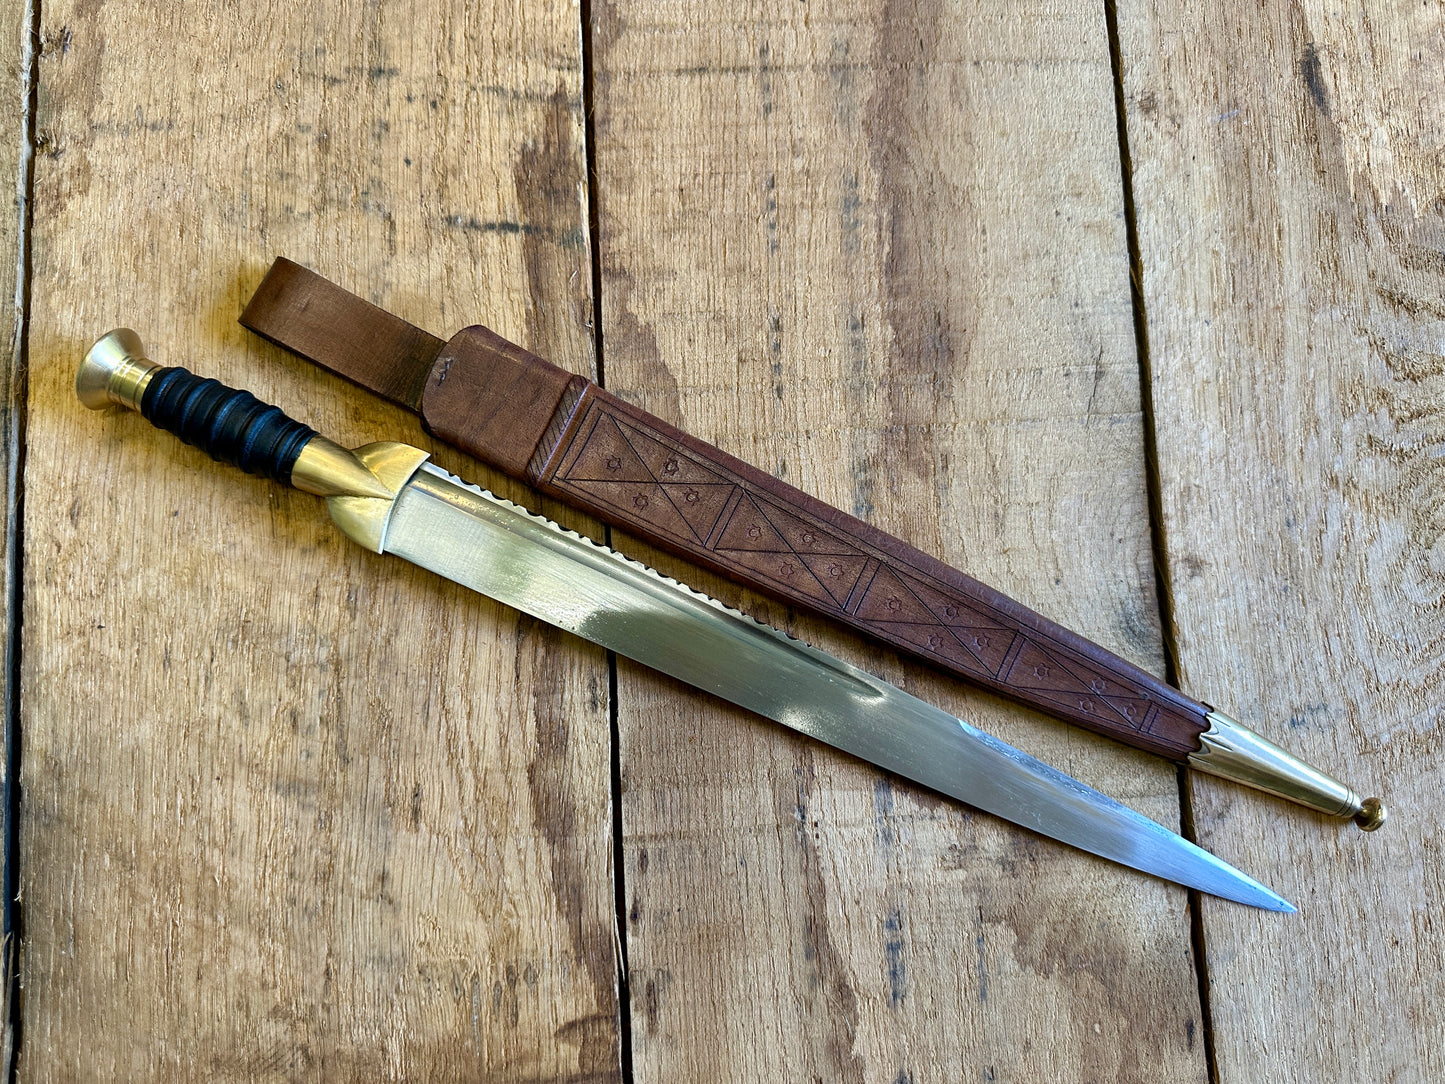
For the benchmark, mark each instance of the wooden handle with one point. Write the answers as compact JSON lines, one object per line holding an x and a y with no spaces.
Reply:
{"x":573,"y":440}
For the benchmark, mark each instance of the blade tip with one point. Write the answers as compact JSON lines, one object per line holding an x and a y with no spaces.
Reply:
{"x":1266,"y":900}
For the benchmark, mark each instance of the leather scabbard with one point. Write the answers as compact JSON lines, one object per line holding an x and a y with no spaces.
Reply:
{"x":572,"y":440}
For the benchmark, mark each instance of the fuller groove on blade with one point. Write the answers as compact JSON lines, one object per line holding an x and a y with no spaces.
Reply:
{"x":530,"y":563}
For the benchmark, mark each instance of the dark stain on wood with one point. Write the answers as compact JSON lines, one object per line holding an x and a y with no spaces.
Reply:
{"x":893,"y":956}
{"x":848,"y":211}
{"x":505,"y":1003}
{"x":765,"y":94}
{"x":1312,"y":72}
{"x":652,"y":994}
{"x":840,"y":74}
{"x":770,"y":212}
{"x":595,"y":1037}
{"x":832,"y":981}
{"x":858,"y":359}
{"x":628,"y":336}
{"x":548,"y":176}
{"x":1102,"y":959}
{"x":928,"y":321}
{"x":980,"y":948}
{"x":540,"y":657}
{"x":608,"y":26}
{"x":883,"y":816}
{"x":625,"y":334}
{"x":894,"y":943}
{"x":68,"y":109}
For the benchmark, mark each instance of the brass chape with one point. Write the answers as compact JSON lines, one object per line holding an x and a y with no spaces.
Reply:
{"x":1230,"y":749}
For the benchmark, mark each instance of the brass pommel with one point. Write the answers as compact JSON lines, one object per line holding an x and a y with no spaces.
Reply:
{"x":115,"y":371}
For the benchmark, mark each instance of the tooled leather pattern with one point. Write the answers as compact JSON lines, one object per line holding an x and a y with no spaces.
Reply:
{"x":627,"y":471}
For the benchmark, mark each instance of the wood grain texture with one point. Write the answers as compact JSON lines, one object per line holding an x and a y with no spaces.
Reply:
{"x":879,"y":251}
{"x":292,"y":810}
{"x":1288,"y":178}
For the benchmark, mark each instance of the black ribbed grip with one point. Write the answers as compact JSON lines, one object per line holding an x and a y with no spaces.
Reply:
{"x":231,"y":426}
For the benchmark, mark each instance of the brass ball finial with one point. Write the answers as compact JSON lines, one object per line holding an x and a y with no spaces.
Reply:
{"x":1372,"y":814}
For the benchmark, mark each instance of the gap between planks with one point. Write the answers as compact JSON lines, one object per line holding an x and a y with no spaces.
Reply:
{"x":15,"y":428}
{"x":619,"y":855}
{"x":1158,"y":541}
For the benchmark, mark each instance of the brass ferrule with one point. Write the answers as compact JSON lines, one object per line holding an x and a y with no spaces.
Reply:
{"x":115,"y":372}
{"x":1230,"y":749}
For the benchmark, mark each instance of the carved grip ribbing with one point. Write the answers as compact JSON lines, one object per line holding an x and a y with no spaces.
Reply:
{"x":228,"y":425}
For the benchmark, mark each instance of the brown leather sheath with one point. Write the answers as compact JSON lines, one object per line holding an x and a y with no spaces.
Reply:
{"x":571,"y":439}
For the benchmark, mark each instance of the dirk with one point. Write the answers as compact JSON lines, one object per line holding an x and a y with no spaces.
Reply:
{"x":572,"y":440}
{"x":388,"y":498}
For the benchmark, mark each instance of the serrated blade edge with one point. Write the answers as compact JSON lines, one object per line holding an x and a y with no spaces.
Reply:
{"x":501,"y":550}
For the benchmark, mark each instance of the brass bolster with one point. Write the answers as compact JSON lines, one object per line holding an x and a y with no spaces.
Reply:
{"x":364,"y":518}
{"x":1230,"y":749}
{"x":329,"y":470}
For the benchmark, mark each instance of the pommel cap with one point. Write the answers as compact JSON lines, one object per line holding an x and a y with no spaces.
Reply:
{"x":115,"y":371}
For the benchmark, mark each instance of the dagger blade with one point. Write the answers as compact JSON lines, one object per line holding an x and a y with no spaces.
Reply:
{"x":501,"y":550}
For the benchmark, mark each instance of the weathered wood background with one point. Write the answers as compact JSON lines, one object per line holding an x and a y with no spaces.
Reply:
{"x":1068,"y":295}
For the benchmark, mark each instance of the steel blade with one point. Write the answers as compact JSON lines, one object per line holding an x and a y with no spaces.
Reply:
{"x":529,"y":563}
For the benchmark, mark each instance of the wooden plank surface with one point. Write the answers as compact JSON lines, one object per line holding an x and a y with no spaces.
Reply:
{"x":1288,"y":176}
{"x":14,"y":71}
{"x":880,"y":252}
{"x":292,"y":810}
